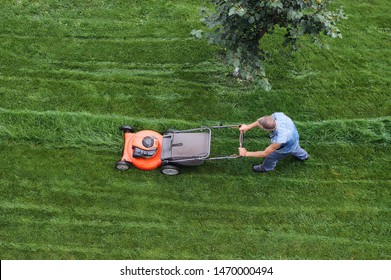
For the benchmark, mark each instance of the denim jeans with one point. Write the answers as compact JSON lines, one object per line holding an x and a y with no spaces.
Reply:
{"x":271,"y":160}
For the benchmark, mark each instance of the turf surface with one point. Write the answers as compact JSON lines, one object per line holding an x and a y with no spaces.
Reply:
{"x":72,"y":72}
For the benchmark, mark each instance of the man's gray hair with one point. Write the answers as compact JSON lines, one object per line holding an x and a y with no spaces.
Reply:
{"x":267,"y":122}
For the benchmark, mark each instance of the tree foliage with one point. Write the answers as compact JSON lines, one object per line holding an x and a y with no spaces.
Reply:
{"x":238,"y":27}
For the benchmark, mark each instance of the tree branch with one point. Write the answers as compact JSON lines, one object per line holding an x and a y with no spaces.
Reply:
{"x":261,"y":33}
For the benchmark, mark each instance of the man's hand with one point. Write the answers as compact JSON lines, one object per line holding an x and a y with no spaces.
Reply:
{"x":242,"y":152}
{"x":244,"y":127}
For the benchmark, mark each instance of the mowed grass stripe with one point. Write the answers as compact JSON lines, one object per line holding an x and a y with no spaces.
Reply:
{"x":33,"y":250}
{"x":117,"y":19}
{"x":194,"y":210}
{"x":368,"y":182}
{"x":134,"y":240}
{"x":311,"y":228}
{"x":59,"y":192}
{"x":106,"y":77}
{"x":290,"y":248}
{"x":133,"y":51}
{"x":268,"y":216}
{"x":104,"y":185}
{"x":329,"y":164}
{"x":373,"y":222}
{"x":88,"y":29}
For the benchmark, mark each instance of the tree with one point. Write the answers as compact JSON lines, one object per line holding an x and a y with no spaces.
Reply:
{"x":239,"y":25}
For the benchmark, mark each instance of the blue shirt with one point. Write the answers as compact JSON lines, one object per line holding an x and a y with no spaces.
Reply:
{"x":285,"y":133}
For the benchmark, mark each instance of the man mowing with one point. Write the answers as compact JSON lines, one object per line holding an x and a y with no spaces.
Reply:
{"x":284,"y":141}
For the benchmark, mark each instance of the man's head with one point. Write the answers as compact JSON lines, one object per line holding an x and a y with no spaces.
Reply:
{"x":267,"y":123}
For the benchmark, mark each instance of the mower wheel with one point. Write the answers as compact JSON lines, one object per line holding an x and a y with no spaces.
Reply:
{"x":123,"y":165}
{"x":169,"y":169}
{"x":127,"y":128}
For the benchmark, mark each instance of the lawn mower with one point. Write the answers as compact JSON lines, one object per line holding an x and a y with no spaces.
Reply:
{"x":148,"y":149}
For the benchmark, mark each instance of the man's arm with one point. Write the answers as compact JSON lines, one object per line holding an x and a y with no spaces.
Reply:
{"x":261,"y":154}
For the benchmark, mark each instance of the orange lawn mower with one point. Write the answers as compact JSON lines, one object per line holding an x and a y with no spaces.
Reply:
{"x":148,"y":149}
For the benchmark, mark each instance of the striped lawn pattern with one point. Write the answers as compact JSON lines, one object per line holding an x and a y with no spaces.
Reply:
{"x":72,"y":72}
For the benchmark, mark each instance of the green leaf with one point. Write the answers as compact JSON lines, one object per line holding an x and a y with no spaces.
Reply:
{"x":264,"y":83}
{"x":241,"y":12}
{"x":232,"y":11}
{"x":197,"y":33}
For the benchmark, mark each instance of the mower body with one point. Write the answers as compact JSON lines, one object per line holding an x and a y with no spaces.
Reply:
{"x":143,"y":149}
{"x":148,"y":149}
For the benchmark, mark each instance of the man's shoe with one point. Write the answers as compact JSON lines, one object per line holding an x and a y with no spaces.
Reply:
{"x":307,"y":158}
{"x":304,"y":159}
{"x":258,"y":168}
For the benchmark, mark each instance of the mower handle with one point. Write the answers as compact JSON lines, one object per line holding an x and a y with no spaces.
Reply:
{"x":241,"y":136}
{"x":226,"y":126}
{"x":241,"y":139}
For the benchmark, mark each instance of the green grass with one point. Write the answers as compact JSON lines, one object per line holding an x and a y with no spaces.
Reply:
{"x":72,"y":72}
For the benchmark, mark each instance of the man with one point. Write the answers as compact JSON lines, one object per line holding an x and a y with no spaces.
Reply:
{"x":284,"y":140}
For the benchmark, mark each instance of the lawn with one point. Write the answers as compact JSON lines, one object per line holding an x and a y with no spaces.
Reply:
{"x":73,"y":72}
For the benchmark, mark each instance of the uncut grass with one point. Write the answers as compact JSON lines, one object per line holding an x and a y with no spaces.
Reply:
{"x":66,"y":128}
{"x":61,"y":214}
